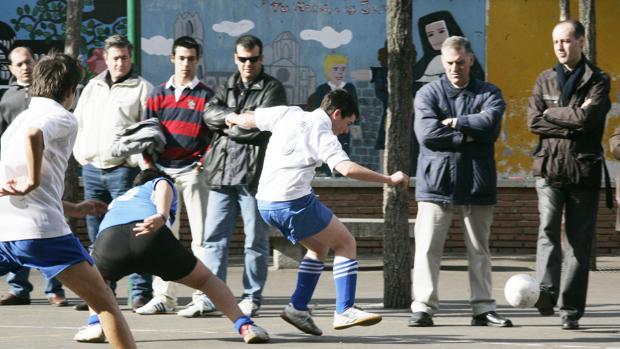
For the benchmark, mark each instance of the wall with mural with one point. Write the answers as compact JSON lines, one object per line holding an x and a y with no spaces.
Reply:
{"x":511,"y":40}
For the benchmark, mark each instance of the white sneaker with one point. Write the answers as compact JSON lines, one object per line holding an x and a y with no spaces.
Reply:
{"x":302,"y":319}
{"x":249,"y":308}
{"x":197,"y":308}
{"x":154,"y":306}
{"x":254,"y":334}
{"x":90,"y":334}
{"x":355,"y":316}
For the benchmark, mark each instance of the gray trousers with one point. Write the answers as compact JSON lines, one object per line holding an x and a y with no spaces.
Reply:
{"x":431,"y":228}
{"x":580,"y":207}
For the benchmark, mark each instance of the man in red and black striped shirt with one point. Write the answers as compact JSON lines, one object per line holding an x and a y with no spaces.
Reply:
{"x":179,"y":105}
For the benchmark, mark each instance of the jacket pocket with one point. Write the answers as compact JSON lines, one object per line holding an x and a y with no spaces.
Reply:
{"x":539,"y":163}
{"x":484,"y":176}
{"x":436,"y":175}
{"x":587,"y":168}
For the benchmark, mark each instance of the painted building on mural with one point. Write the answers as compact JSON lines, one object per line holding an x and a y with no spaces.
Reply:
{"x":511,"y":41}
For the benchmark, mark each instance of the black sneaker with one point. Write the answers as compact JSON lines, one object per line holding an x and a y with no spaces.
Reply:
{"x":420,"y":319}
{"x":82,"y":306}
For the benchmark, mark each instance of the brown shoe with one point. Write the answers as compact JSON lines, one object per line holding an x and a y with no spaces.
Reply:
{"x":58,"y":300}
{"x":11,"y":299}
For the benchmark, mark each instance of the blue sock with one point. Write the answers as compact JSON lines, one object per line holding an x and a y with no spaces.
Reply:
{"x":345,"y":278}
{"x":307,"y":278}
{"x":93,"y":319}
{"x":242,"y":321}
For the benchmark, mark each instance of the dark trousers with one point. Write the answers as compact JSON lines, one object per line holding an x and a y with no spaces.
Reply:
{"x":580,"y":207}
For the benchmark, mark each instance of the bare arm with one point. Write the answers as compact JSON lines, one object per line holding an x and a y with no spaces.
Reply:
{"x":34,"y":158}
{"x":163,"y":200}
{"x":87,"y":207}
{"x":359,"y":172}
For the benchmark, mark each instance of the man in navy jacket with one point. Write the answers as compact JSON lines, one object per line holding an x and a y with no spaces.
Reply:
{"x":457,"y":121}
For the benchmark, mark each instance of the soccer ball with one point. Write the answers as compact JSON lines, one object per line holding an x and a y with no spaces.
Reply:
{"x":522,"y":291}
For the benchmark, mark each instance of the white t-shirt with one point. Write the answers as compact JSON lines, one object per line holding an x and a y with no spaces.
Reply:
{"x":39,"y":214}
{"x":300,"y":141}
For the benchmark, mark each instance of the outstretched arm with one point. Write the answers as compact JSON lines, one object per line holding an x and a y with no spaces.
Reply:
{"x":359,"y":172}
{"x":34,"y":158}
{"x":87,"y":207}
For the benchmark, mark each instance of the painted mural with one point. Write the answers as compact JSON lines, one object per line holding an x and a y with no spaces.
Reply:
{"x":511,"y":44}
{"x":40,"y":25}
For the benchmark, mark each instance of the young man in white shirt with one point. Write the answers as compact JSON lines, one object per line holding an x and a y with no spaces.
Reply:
{"x":35,"y":151}
{"x":301,"y":141}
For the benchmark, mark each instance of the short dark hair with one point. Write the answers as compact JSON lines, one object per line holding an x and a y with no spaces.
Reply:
{"x":248,"y":42}
{"x":54,"y":76}
{"x":118,"y":41}
{"x":340,"y":99}
{"x":149,"y":174}
{"x":188,"y":42}
{"x":579,"y":30}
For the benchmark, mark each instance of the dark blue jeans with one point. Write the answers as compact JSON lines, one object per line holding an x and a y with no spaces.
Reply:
{"x":21,"y":287}
{"x":579,"y":207}
{"x":106,"y":185}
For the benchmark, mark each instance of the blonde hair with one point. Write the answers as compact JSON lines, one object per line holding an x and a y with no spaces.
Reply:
{"x":331,"y":60}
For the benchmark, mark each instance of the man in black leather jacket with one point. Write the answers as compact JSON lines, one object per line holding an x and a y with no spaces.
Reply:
{"x":233,"y":167}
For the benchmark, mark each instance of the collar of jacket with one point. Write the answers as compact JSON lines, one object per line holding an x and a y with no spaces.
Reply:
{"x":132,"y":80}
{"x":589,"y":69}
{"x":471,"y":89}
{"x":257,"y":84}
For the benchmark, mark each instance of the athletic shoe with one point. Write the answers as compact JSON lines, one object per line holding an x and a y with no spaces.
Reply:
{"x":254,"y":334}
{"x":302,"y":319}
{"x":355,"y":316}
{"x":197,"y":308}
{"x":90,"y":334}
{"x":249,"y":308}
{"x":154,"y":306}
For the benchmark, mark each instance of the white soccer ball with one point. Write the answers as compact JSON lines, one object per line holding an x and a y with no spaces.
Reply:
{"x":522,"y":291}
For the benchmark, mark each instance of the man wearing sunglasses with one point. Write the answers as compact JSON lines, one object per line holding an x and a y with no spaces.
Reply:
{"x":233,"y":167}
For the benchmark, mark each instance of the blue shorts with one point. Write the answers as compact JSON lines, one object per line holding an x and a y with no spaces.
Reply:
{"x":296,"y":219}
{"x":50,"y":256}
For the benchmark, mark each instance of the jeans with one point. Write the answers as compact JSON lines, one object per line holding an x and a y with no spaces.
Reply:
{"x":431,"y":229}
{"x":21,"y":287}
{"x":106,"y":185}
{"x":580,"y":208}
{"x":222,"y":211}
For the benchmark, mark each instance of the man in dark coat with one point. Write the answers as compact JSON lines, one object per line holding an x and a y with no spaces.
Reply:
{"x":567,"y":110}
{"x":457,"y":122}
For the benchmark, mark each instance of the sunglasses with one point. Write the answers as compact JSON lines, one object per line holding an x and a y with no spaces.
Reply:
{"x":252,"y":59}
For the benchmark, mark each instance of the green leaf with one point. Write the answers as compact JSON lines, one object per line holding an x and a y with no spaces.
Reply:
{"x":17,"y":27}
{"x":35,"y":11}
{"x":26,"y":8}
{"x":43,"y":25}
{"x":20,"y":11}
{"x":28,"y":27}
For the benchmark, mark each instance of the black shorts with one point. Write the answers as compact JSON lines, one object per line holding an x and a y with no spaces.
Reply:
{"x":118,"y":252}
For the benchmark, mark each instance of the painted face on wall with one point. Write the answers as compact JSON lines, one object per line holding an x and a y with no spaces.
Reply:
{"x":336,"y":73}
{"x":436,"y":33}
{"x":457,"y":64}
{"x":118,"y":61}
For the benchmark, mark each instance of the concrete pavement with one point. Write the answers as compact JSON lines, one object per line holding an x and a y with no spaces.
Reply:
{"x":42,"y":326}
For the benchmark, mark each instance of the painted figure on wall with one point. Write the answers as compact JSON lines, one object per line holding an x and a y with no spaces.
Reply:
{"x":334,"y":70}
{"x":434,"y":28}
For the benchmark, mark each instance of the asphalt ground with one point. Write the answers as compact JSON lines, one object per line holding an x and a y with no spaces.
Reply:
{"x":40,"y":325}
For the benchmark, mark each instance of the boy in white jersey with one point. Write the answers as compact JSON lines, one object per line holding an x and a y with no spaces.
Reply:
{"x":301,"y":141}
{"x":35,"y":151}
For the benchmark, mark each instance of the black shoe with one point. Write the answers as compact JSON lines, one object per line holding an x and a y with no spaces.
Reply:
{"x":139,"y":302}
{"x":570,"y":324}
{"x":490,"y":318}
{"x":545,"y":303}
{"x":82,"y":306}
{"x":421,"y":319}
{"x":11,"y":299}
